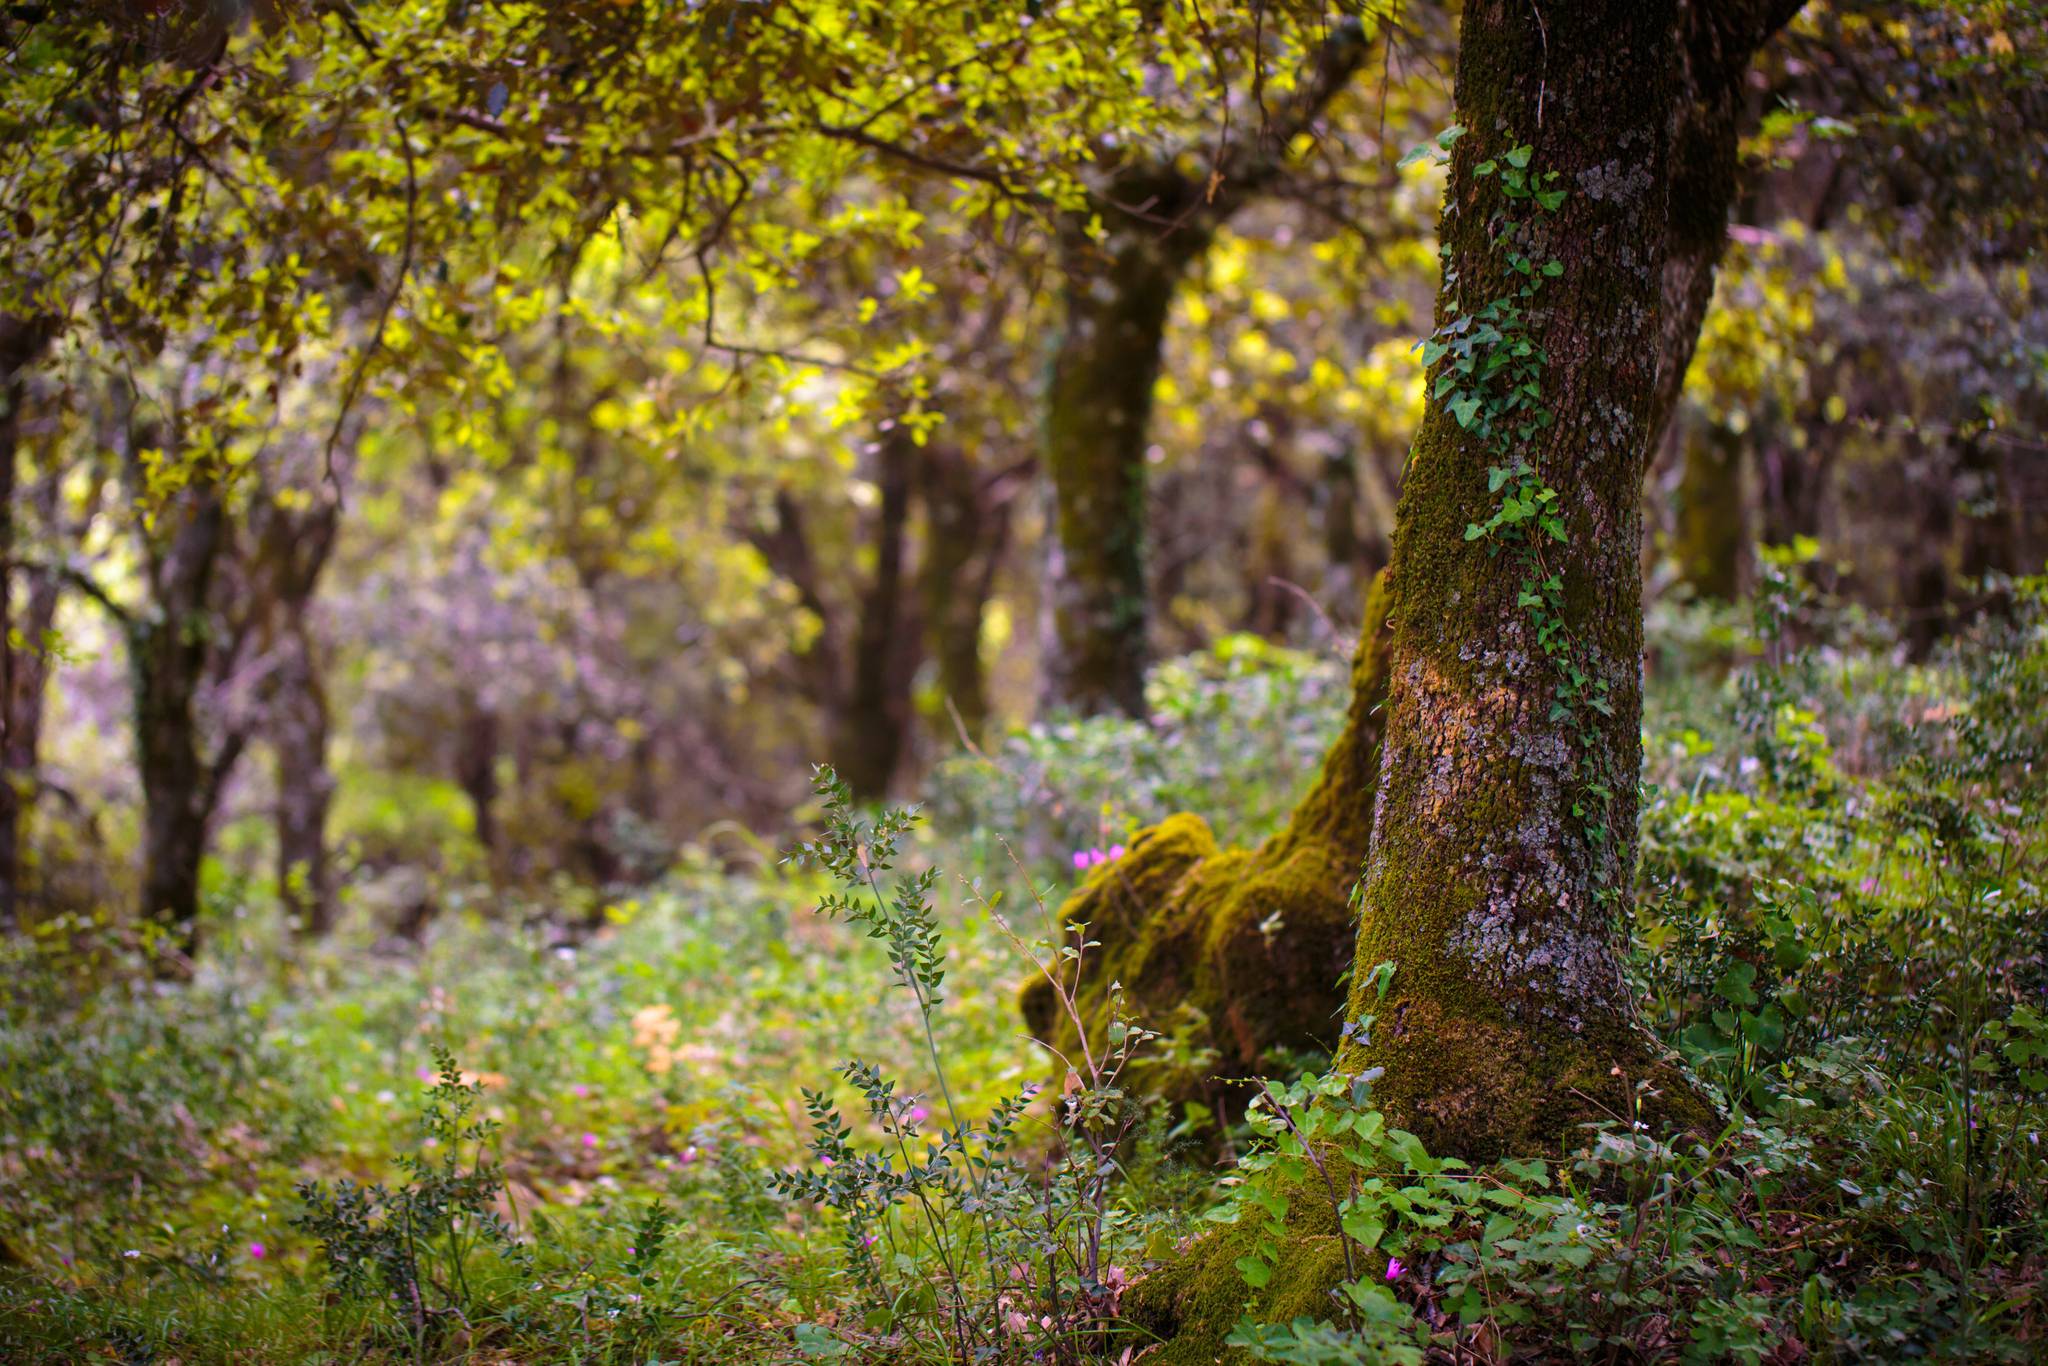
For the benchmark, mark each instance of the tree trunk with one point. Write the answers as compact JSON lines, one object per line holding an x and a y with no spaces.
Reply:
{"x":1238,"y":950}
{"x":1713,"y":529}
{"x":168,"y":652}
{"x":965,"y":534}
{"x":1990,"y":554}
{"x":13,"y":789}
{"x":298,"y":724}
{"x":476,"y":773}
{"x":27,"y":676}
{"x":1504,"y":845}
{"x":1099,"y":405}
{"x":873,"y":718}
{"x":21,"y":343}
{"x":1715,"y":41}
{"x":1098,"y":416}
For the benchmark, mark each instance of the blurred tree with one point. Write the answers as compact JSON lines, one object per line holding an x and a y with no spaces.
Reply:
{"x":22,"y":342}
{"x":1123,"y":257}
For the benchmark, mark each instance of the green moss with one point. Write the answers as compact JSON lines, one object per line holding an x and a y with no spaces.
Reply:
{"x":1193,"y":1300}
{"x":1245,"y":946}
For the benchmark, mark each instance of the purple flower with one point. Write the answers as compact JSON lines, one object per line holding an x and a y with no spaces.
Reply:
{"x":256,"y":1251}
{"x":1081,"y":858}
{"x":580,"y":1091}
{"x":1394,"y":1268}
{"x":1116,"y":851}
{"x":590,"y":1140}
{"x":918,"y":1114}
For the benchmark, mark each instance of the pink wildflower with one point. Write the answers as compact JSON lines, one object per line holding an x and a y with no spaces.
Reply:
{"x":1081,"y":859}
{"x":1394,"y":1268}
{"x":256,"y":1251}
{"x":590,"y":1140}
{"x":1116,"y":851}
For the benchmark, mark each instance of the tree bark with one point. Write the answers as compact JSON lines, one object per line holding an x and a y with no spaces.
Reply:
{"x":1713,"y":527}
{"x":1715,"y":41}
{"x":1098,"y":415}
{"x":1498,"y":870}
{"x":476,"y":773}
{"x":168,"y":650}
{"x":1098,"y":411}
{"x":966,"y":532}
{"x":298,"y":723}
{"x":22,"y":341}
{"x":872,"y":722}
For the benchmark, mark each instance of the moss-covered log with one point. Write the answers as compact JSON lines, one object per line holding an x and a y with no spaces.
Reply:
{"x":1253,"y":942}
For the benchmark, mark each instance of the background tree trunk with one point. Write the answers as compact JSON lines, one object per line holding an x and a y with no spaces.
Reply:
{"x":1098,"y":415}
{"x":22,"y":342}
{"x":1712,"y":535}
{"x":298,"y":726}
{"x":872,"y":721}
{"x":168,"y":647}
{"x":1099,"y":405}
{"x":967,"y":524}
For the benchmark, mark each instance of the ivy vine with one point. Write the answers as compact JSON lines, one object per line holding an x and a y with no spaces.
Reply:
{"x":1489,"y":377}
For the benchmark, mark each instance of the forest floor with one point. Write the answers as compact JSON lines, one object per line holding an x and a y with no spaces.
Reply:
{"x":1840,"y":928}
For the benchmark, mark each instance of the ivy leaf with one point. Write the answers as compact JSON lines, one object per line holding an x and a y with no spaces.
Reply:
{"x":1495,"y":477}
{"x":1465,"y":409}
{"x":1362,"y":1228}
{"x":1554,"y":268}
{"x":1473,"y":531}
{"x":1519,"y":157}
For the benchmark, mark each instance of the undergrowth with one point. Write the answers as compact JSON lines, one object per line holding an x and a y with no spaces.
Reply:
{"x":700,"y":1122}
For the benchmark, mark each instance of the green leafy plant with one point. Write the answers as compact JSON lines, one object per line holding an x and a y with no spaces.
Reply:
{"x":413,"y":1245}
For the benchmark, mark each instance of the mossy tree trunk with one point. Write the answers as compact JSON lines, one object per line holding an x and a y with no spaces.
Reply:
{"x":1237,"y":950}
{"x":1490,"y":884}
{"x":1712,"y":534}
{"x":1098,"y":415}
{"x":1098,"y":406}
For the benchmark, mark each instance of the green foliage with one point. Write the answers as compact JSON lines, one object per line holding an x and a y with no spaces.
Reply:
{"x":411,"y":1244}
{"x":1231,"y":731}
